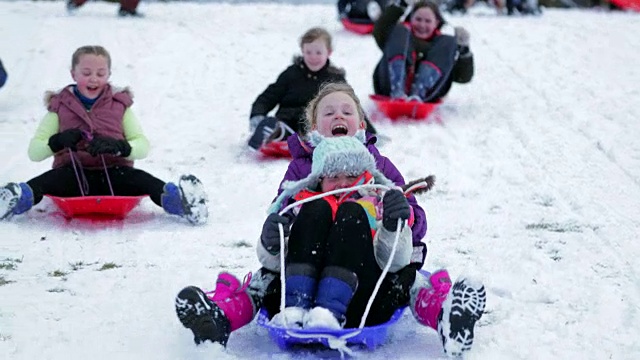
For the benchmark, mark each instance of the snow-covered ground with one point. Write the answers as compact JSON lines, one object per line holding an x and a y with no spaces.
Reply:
{"x":537,"y":161}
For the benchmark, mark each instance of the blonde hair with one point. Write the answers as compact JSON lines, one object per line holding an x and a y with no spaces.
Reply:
{"x":314,"y":34}
{"x":90,"y":50}
{"x":311,"y":111}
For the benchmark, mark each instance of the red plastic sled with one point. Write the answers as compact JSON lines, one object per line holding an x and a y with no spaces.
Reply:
{"x":97,"y":207}
{"x":628,"y":4}
{"x":362,"y":29}
{"x":395,"y":109}
{"x":276,"y":149}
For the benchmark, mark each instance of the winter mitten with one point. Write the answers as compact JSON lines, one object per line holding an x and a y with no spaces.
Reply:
{"x":254,"y":121}
{"x":462,"y":36}
{"x":66,"y":139}
{"x":394,"y":206}
{"x":374,"y":10}
{"x":270,"y":236}
{"x":107,"y":145}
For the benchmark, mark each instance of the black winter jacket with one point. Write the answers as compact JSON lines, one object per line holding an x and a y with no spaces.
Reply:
{"x":293,"y":89}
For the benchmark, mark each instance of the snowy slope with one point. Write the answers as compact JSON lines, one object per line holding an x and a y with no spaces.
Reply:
{"x":537,"y":161}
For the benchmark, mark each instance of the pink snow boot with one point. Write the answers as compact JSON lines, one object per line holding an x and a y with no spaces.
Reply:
{"x":214,"y":315}
{"x":427,"y":302}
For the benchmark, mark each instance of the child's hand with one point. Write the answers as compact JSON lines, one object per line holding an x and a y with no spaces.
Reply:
{"x":394,"y":206}
{"x":107,"y":145}
{"x":66,"y":139}
{"x":462,"y":36}
{"x":270,"y":236}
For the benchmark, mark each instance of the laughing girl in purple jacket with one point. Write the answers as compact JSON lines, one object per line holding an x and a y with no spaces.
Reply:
{"x":350,"y":263}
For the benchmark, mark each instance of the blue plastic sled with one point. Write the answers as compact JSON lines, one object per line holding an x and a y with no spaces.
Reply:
{"x":369,"y":336}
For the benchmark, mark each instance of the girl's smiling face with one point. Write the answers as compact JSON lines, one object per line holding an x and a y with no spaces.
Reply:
{"x":91,"y":75}
{"x":337,"y":115}
{"x":424,"y":23}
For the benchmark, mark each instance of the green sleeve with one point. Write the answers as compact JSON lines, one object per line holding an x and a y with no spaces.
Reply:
{"x":39,"y":145}
{"x":134,"y":135}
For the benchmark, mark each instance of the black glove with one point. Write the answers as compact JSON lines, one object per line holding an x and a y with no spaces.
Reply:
{"x":270,"y":236}
{"x":66,"y":139}
{"x":107,"y":145}
{"x":394,"y":206}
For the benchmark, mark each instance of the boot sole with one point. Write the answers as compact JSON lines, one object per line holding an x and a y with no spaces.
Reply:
{"x":194,"y":199}
{"x":459,"y":314}
{"x":197,"y":314}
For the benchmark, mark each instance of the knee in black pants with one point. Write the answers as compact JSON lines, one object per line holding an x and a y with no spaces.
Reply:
{"x":309,"y":233}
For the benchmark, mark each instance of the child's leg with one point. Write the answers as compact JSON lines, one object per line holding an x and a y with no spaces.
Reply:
{"x":60,"y":182}
{"x":212,"y":316}
{"x":129,"y":181}
{"x":435,"y":68}
{"x":349,"y":266}
{"x":391,"y":73}
{"x":186,"y":199}
{"x":306,"y":252}
{"x":451,"y":310}
{"x":263,"y":130}
{"x":16,"y":198}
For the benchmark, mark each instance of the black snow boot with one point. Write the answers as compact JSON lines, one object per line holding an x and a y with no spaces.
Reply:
{"x":203,"y":317}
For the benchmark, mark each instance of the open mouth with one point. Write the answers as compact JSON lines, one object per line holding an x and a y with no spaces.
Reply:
{"x":339,"y":130}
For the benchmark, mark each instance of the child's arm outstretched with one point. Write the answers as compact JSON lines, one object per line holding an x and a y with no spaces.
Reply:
{"x":270,"y":97}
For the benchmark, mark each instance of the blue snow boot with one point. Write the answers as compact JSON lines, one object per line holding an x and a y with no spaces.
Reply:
{"x":15,"y":199}
{"x":301,"y":281}
{"x":425,"y":81}
{"x":187,"y":199}
{"x":301,"y":285}
{"x":397,"y":78}
{"x":335,"y":291}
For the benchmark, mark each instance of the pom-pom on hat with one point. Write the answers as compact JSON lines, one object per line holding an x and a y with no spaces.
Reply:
{"x":331,"y":157}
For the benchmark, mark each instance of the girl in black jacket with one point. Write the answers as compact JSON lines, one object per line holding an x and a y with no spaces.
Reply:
{"x":418,"y":61}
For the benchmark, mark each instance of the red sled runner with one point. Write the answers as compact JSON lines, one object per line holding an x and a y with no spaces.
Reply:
{"x":396,"y":109}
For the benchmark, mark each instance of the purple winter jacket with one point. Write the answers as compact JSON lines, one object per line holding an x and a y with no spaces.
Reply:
{"x":300,"y":167}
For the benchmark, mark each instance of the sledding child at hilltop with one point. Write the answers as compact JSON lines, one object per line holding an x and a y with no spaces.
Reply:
{"x":293,"y":90}
{"x":418,"y":61}
{"x":94,"y":137}
{"x":328,"y":283}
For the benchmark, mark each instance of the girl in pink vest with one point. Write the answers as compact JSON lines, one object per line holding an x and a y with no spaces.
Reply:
{"x":90,"y":123}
